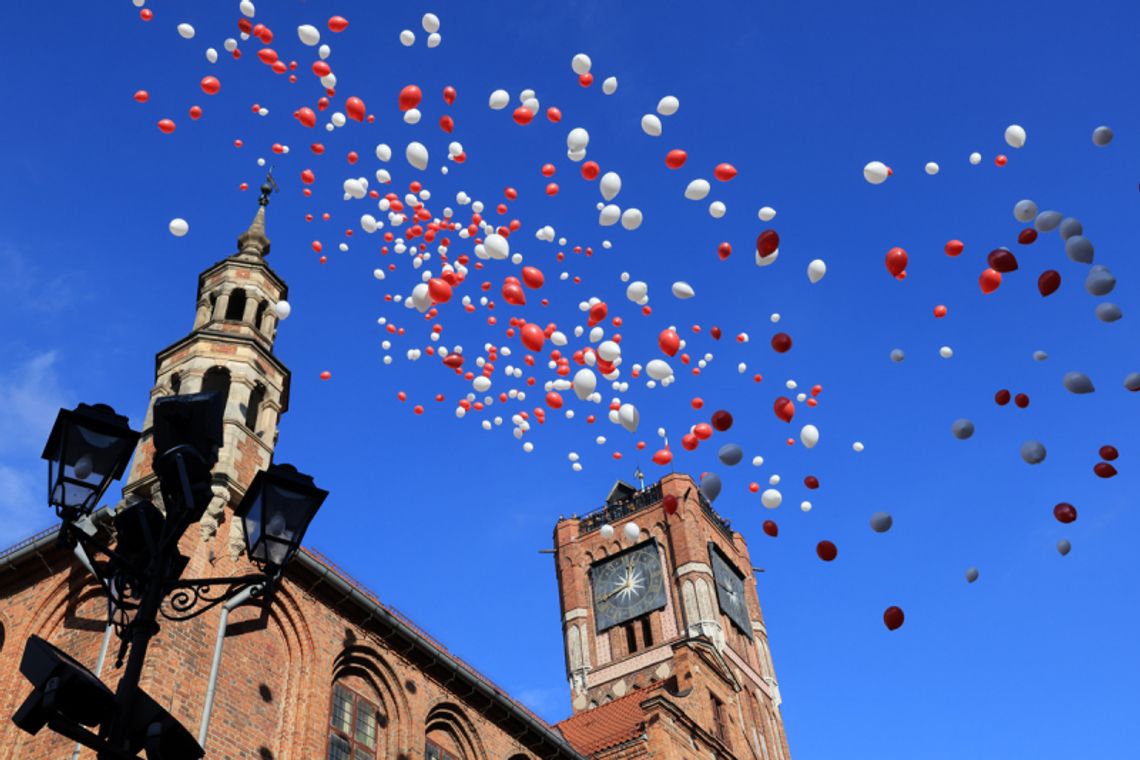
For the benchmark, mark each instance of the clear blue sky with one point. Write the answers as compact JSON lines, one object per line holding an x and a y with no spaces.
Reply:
{"x":444,"y":520}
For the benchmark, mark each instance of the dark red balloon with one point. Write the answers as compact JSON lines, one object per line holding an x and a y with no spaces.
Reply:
{"x":771,"y":528}
{"x":1001,"y":397}
{"x":1108,"y":452}
{"x":767,"y":242}
{"x":1065,"y":512}
{"x":721,"y":420}
{"x":1104,"y":470}
{"x":1027,"y":236}
{"x":670,"y":504}
{"x":781,"y":342}
{"x":1048,"y":282}
{"x":1021,"y":400}
{"x":1002,"y":260}
{"x":893,"y":618}
{"x":784,"y":408}
{"x":812,"y":482}
{"x":826,"y":551}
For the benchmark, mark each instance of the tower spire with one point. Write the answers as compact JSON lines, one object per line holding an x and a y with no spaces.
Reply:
{"x":253,"y":241}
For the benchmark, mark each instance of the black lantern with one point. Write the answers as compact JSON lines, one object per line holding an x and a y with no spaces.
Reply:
{"x":275,"y":513}
{"x":187,"y":436}
{"x":89,"y":447}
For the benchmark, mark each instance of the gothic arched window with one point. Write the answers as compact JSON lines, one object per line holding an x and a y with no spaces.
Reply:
{"x":217,"y":380}
{"x":256,"y":398}
{"x":235,"y":309}
{"x":355,"y":725}
{"x":261,"y":307}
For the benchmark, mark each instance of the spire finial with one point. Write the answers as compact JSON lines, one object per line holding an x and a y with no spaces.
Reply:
{"x":254,"y":241}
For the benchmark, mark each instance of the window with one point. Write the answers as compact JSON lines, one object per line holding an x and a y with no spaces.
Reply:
{"x":435,"y":752}
{"x":217,"y":380}
{"x":720,"y":728}
{"x":175,"y":383}
{"x":353,"y":724}
{"x":235,"y":309}
{"x":646,"y":632}
{"x":261,"y":307}
{"x":256,"y":397}
{"x":630,"y":638}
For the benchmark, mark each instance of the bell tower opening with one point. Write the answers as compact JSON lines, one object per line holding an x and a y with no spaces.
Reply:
{"x":235,"y":309}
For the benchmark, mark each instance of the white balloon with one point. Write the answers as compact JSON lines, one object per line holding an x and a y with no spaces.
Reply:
{"x":816,"y":270}
{"x":631,"y":218}
{"x":246,"y":8}
{"x":585,"y":381}
{"x":683,"y":290}
{"x":282,"y":309}
{"x":186,"y":31}
{"x":323,"y":52}
{"x":763,"y":261}
{"x":430,"y":22}
{"x":975,"y":158}
{"x":412,"y":116}
{"x":609,"y":87}
{"x":607,"y":531}
{"x":946,"y":352}
{"x":668,"y":105}
{"x":578,"y":139}
{"x":931,"y":168}
{"x":417,"y":155}
{"x":609,"y":215}
{"x":717,"y":209}
{"x":421,"y":299}
{"x":609,"y":351}
{"x":805,"y":506}
{"x":636,"y":291}
{"x":697,"y":189}
{"x":629,"y":417}
{"x":496,"y":246}
{"x":309,"y":35}
{"x":651,"y":125}
{"x":211,"y":55}
{"x":631,"y":531}
{"x":610,"y":185}
{"x":875,"y":172}
{"x":179,"y":227}
{"x":771,"y":498}
{"x":809,"y":435}
{"x":481,"y":383}
{"x":658,"y":369}
{"x":499,"y":100}
{"x":383,"y":152}
{"x":407,"y":38}
{"x":857,"y":446}
{"x":766,"y":213}
{"x":1015,"y":135}
{"x":433,"y":42}
{"x":581,"y":64}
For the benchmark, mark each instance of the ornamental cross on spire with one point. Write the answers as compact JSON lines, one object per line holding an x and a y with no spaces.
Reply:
{"x":267,"y":188}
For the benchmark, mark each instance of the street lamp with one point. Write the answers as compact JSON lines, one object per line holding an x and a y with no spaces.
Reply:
{"x":142,"y":574}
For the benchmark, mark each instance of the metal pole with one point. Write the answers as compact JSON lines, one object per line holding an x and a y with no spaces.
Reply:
{"x":223,"y":623}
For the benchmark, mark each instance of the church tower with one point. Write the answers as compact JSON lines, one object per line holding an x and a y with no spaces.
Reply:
{"x":229,"y":350}
{"x":670,"y":617}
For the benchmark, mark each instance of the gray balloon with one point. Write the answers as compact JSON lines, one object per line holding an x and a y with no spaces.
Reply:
{"x":962,"y":429}
{"x":897,"y":355}
{"x":710,"y":486}
{"x":881,"y":522}
{"x":730,"y":454}
{"x":1132,"y":381}
{"x":1033,"y":452}
{"x":1079,"y":249}
{"x":1070,"y":227}
{"x":971,"y":575}
{"x":1100,"y":281}
{"x":1024,"y":211}
{"x":1047,"y":221}
{"x":1040,"y":356}
{"x":1077,"y":382}
{"x":1064,"y":546}
{"x":1108,"y":312}
{"x":1102,"y":136}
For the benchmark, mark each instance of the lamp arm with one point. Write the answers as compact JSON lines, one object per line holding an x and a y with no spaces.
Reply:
{"x":190,"y":597}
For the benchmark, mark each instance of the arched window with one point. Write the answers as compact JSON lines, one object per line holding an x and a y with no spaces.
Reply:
{"x":175,"y":383}
{"x":355,"y":725}
{"x":256,"y":398}
{"x":261,"y":307}
{"x":236,"y":307}
{"x":441,"y":746}
{"x":450,"y":735}
{"x":217,"y":380}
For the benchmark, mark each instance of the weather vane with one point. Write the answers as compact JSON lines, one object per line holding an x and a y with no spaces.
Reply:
{"x":637,"y":473}
{"x":267,"y":188}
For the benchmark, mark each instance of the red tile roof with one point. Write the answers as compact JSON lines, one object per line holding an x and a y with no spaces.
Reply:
{"x":608,"y":725}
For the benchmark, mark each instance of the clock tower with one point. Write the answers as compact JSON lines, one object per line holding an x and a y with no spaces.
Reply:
{"x":663,"y":621}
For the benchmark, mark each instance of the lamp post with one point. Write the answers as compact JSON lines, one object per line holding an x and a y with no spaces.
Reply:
{"x":142,"y":574}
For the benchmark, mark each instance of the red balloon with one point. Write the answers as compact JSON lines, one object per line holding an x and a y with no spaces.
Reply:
{"x":532,"y":277}
{"x":354,"y":108}
{"x":689,"y":441}
{"x":721,"y":420}
{"x":410,"y":97}
{"x":896,"y":261}
{"x":1027,"y":236}
{"x":326,"y":375}
{"x":826,"y":551}
{"x":597,"y":313}
{"x":940,"y":311}
{"x":703,"y":431}
{"x":676,"y":158}
{"x":308,"y":177}
{"x":306,"y":117}
{"x":268,"y":56}
{"x":1021,"y":400}
{"x":811,"y":482}
{"x":195,"y":112}
{"x":989,"y":280}
{"x":893,"y":618}
{"x":784,"y":408}
{"x":439,"y":290}
{"x":1048,"y":282}
{"x":724,"y":250}
{"x":724,"y":172}
{"x":554,"y":115}
{"x":513,"y":293}
{"x":1108,"y":452}
{"x":532,"y":336}
{"x":321,"y":69}
{"x":1002,"y":397}
{"x":1002,"y":260}
{"x":586,"y":79}
{"x":142,"y":96}
{"x":552,"y":188}
{"x":1065,"y":512}
{"x":767,"y":243}
{"x":669,"y":341}
{"x":771,"y":528}
{"x":447,"y":124}
{"x":590,"y":170}
{"x":166,"y":126}
{"x":714,"y":331}
{"x":554,"y":400}
{"x":523,"y":115}
{"x":663,"y":457}
{"x":211,"y":85}
{"x":338,"y":24}
{"x":1001,"y":159}
{"x":670,"y":502}
{"x":1104,"y":470}
{"x":449,"y":94}
{"x":781,"y":342}
{"x":954,"y":248}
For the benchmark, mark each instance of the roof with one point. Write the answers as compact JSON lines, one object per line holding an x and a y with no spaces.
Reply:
{"x":608,"y":725}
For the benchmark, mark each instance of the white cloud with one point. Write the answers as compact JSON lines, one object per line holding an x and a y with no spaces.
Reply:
{"x":30,"y":398}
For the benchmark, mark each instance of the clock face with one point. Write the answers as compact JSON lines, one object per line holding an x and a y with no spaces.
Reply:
{"x":627,"y":585}
{"x":730,"y":590}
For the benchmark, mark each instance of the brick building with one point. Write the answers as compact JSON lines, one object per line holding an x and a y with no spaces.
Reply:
{"x":670,"y":669}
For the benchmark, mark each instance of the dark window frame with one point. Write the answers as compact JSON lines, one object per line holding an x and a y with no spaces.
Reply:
{"x":355,"y":746}
{"x":720,"y":722}
{"x":439,"y":752}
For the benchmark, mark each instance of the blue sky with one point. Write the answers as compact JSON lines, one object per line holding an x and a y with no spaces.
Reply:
{"x":444,"y":520}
